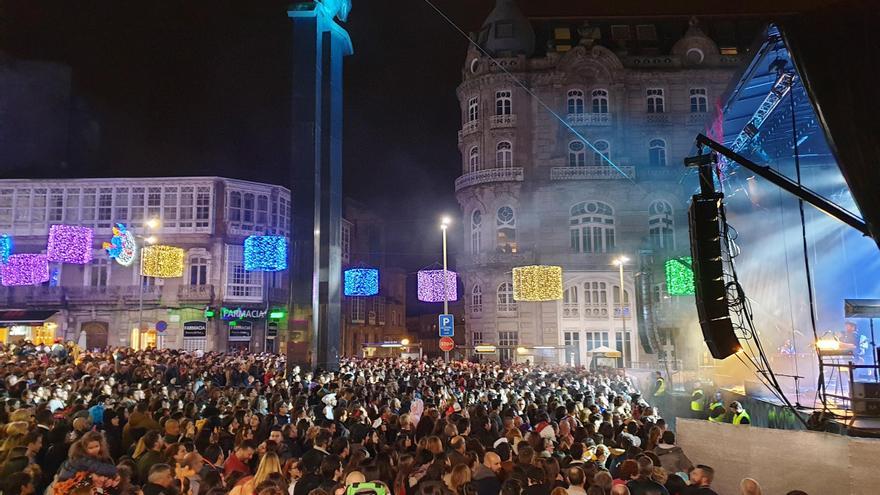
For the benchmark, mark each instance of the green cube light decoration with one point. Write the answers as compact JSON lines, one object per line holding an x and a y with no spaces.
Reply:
{"x":680,"y":276}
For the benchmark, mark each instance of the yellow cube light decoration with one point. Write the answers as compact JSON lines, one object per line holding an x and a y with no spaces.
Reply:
{"x":537,"y":283}
{"x":162,"y":261}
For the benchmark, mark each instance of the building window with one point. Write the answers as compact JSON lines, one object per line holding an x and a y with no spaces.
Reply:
{"x":570,"y":307}
{"x":577,"y":155}
{"x":476,"y":338}
{"x":657,"y":153}
{"x":572,"y":341}
{"x":198,"y":270}
{"x":699,"y":101}
{"x":660,"y":226}
{"x":241,"y":284}
{"x":506,"y":304}
{"x":247,"y":211}
{"x":505,"y":223}
{"x":618,"y":310}
{"x":504,"y":155}
{"x":234,"y":207}
{"x":379,"y":308}
{"x":98,"y":272}
{"x":507,"y":343}
{"x":358,"y":310}
{"x":619,"y":345}
{"x":346,"y":241}
{"x":477,"y":299}
{"x":503,"y":102}
{"x":262,"y":212}
{"x":600,"y":101}
{"x":476,"y":233}
{"x":474,"y":159}
{"x":473,"y":109}
{"x":595,"y":300}
{"x":602,"y":153}
{"x":575,"y":102}
{"x":591,"y":227}
{"x":596,"y":339}
{"x":655,"y":100}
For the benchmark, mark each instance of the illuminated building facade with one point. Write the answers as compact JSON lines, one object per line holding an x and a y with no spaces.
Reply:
{"x":207,"y":217}
{"x":595,"y":174}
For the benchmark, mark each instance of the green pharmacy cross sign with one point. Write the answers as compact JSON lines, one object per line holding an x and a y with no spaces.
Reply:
{"x":680,"y":276}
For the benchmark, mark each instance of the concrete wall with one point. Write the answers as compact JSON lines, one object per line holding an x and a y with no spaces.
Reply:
{"x":782,"y":460}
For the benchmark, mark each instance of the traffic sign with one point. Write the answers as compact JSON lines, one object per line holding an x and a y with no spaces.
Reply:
{"x":161,"y":325}
{"x":447,"y":344}
{"x":447,"y":325}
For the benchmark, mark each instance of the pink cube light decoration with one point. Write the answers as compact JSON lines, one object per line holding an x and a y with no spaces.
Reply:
{"x":70,"y":244}
{"x":431,"y":286}
{"x":25,"y":269}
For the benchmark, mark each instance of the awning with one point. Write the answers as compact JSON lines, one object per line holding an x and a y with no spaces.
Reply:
{"x":24,"y":317}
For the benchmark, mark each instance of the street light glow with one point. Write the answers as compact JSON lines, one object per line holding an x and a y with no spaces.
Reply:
{"x":444,"y":222}
{"x":404,"y":342}
{"x":151,"y":239}
{"x":153,"y":223}
{"x":620,"y":260}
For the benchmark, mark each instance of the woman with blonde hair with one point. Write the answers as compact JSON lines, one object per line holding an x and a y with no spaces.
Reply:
{"x":457,"y":478}
{"x":269,"y":464}
{"x":748,"y":486}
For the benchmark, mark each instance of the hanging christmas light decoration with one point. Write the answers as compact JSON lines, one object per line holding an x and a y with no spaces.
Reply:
{"x":537,"y":283}
{"x":25,"y":269}
{"x":265,"y":253}
{"x":122,"y":246}
{"x":679,"y":276}
{"x":162,"y":261}
{"x":70,"y":244}
{"x":5,"y":247}
{"x":431,"y":285}
{"x":361,"y":282}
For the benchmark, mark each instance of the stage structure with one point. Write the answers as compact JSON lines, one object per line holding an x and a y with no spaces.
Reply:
{"x":320,"y":44}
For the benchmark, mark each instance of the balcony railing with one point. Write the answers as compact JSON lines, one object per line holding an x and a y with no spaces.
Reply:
{"x":151,"y":292}
{"x":511,"y":174}
{"x":657,"y":118}
{"x":195,"y":293}
{"x":468,"y":128}
{"x":590,"y":119}
{"x":99,"y":294}
{"x":698,"y":118}
{"x":591,"y":173}
{"x":502,"y":121}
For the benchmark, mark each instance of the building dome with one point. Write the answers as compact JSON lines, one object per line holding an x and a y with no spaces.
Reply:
{"x":695,"y":48}
{"x":507,"y":32}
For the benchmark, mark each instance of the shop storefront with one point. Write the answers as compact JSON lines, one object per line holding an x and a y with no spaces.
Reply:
{"x":195,"y":336}
{"x":18,"y":326}
{"x":240,"y":333}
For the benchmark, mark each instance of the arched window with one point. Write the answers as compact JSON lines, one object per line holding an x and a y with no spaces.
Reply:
{"x":575,"y":102}
{"x":474,"y":159}
{"x":591,"y":227}
{"x":477,"y":299}
{"x":618,"y":310}
{"x":600,"y":101}
{"x":476,"y":233}
{"x":661,"y":228}
{"x":595,"y":300}
{"x":577,"y":155}
{"x":570,"y":307}
{"x":699,"y":102}
{"x":473,"y":109}
{"x":504,"y":155}
{"x":505,"y":223}
{"x":602,"y":151}
{"x":657,"y":153}
{"x":656,"y":100}
{"x":503,"y":102}
{"x":506,"y":304}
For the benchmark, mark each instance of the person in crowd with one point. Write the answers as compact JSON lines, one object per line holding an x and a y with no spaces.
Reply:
{"x":238,"y":461}
{"x":740,"y":416}
{"x":672,"y":457}
{"x":644,"y":484}
{"x":701,"y":481}
{"x":576,"y":481}
{"x":749,"y":486}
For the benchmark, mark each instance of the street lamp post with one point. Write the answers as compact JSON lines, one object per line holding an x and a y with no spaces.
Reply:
{"x":151,"y":224}
{"x":623,"y":353}
{"x":444,"y":224}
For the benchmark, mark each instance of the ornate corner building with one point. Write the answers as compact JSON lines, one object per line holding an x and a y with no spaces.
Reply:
{"x":572,"y":139}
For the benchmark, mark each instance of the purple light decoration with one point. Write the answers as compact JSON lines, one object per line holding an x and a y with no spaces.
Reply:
{"x":70,"y":244}
{"x":430,"y":285}
{"x":25,"y":269}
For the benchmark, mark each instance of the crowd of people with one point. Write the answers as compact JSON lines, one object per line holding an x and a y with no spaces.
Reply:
{"x":167,"y":422}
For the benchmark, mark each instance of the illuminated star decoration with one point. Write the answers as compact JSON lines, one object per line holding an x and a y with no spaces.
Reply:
{"x":122,"y":246}
{"x":679,"y":276}
{"x":162,"y":261}
{"x":5,"y":247}
{"x":25,"y":269}
{"x":537,"y":283}
{"x":70,"y":244}
{"x":431,"y":286}
{"x":265,"y":253}
{"x":361,"y":282}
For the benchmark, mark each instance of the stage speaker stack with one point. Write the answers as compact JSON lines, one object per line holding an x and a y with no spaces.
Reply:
{"x":709,"y":283}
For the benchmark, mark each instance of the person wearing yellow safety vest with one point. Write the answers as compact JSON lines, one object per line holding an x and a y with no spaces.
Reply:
{"x":740,"y":416}
{"x":716,"y":409}
{"x":659,"y":385}
{"x":697,"y":400}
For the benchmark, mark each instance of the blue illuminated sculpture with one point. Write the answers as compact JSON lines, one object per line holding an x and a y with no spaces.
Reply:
{"x":5,"y":247}
{"x":361,"y":282}
{"x":336,"y":8}
{"x":265,"y":253}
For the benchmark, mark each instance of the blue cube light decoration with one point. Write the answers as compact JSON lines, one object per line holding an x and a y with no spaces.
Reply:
{"x":265,"y":253}
{"x":5,"y":247}
{"x":361,"y":282}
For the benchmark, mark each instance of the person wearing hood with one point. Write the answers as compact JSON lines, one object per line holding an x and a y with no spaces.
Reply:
{"x":672,"y":457}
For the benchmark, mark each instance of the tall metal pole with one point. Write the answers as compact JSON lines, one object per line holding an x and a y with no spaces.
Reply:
{"x":622,"y":316}
{"x":445,"y":291}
